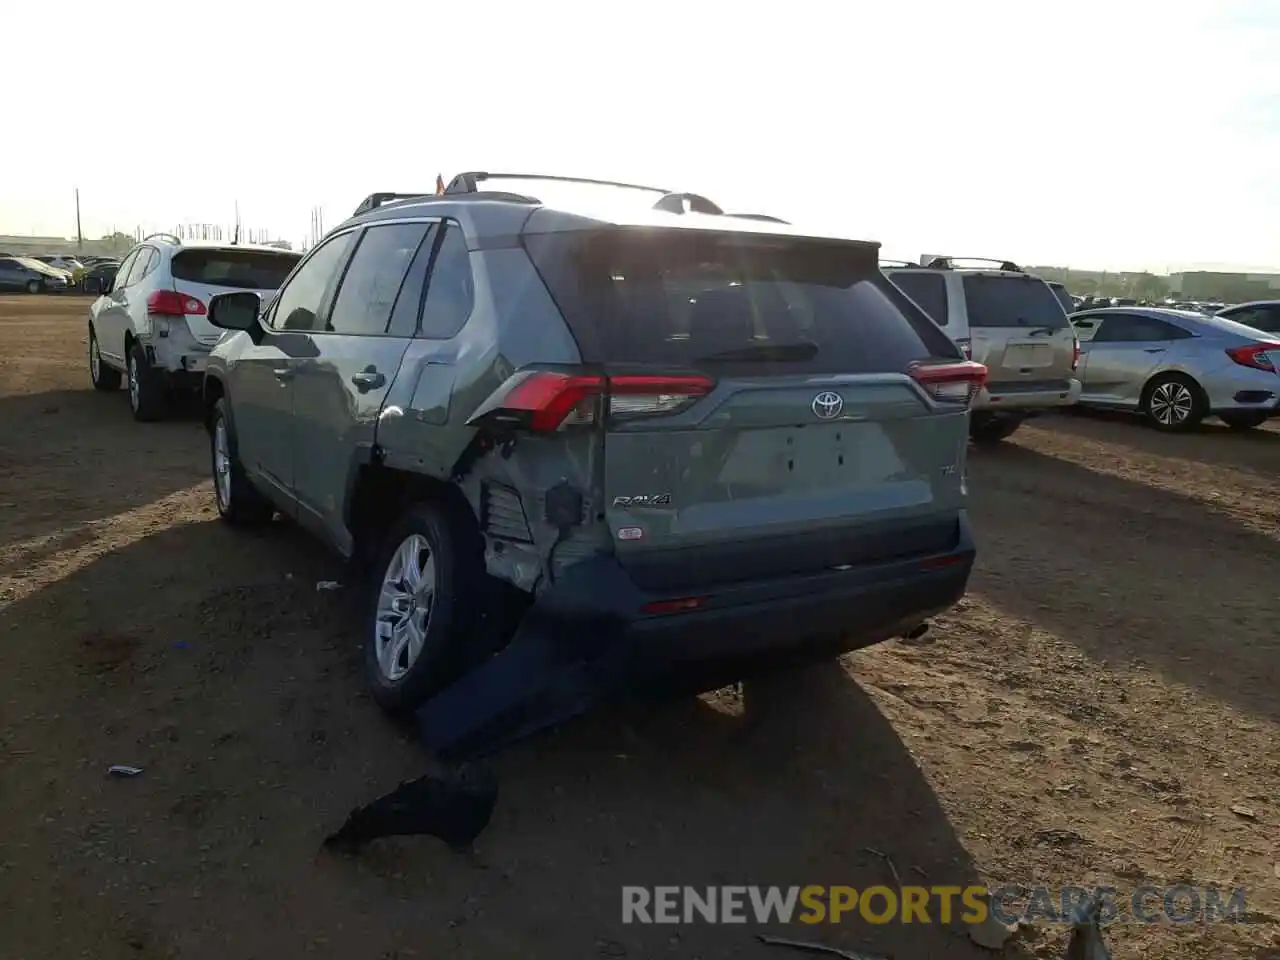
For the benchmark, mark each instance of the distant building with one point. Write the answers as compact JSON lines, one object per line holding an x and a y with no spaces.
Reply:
{"x":1225,"y":287}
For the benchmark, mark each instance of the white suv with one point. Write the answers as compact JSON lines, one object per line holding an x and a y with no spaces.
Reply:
{"x":151,"y":326}
{"x":1007,"y":319}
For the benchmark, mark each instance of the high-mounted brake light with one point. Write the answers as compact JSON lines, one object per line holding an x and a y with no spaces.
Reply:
{"x":170,"y":303}
{"x":543,"y":401}
{"x":957,"y":382}
{"x":1256,"y":355}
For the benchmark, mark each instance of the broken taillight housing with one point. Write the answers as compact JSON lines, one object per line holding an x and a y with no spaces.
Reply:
{"x":951,"y":383}
{"x":544,"y":401}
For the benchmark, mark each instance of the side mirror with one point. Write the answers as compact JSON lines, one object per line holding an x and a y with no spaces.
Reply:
{"x":235,"y":311}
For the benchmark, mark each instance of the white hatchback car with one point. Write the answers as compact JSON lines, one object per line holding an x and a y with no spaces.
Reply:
{"x":151,"y":326}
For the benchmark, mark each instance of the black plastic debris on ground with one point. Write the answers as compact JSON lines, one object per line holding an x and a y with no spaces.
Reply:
{"x":568,"y":651}
{"x":454,"y":806}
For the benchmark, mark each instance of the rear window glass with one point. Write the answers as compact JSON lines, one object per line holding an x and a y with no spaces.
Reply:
{"x":1012,"y":302}
{"x":730,"y":302}
{"x":247,"y":269}
{"x":928,"y":290}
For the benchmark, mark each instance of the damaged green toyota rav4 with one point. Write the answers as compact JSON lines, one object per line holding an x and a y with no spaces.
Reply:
{"x":738,"y":440}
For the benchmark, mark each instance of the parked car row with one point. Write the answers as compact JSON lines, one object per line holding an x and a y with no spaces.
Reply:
{"x":705,"y":427}
{"x":32,"y":276}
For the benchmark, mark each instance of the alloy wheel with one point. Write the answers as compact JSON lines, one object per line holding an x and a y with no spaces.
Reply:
{"x":404,"y":607}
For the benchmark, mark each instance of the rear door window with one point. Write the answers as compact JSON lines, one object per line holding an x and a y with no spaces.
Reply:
{"x":1012,"y":301}
{"x":730,"y":302}
{"x":928,"y":290}
{"x":1132,"y":328}
{"x":245,"y":269}
{"x":374,"y":278}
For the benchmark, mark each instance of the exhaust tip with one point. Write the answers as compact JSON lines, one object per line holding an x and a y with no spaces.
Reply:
{"x":917,"y":632}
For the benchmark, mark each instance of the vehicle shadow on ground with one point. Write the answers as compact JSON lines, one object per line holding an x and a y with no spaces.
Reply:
{"x":236,"y":687}
{"x":1210,"y":443}
{"x":1139,"y":574}
{"x":71,"y":457}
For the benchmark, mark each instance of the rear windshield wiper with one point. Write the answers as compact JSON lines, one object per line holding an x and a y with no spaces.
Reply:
{"x":763,"y":351}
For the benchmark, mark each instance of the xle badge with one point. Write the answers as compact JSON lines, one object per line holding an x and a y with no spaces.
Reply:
{"x":650,"y":500}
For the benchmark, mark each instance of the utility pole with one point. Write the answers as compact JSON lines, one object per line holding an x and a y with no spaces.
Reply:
{"x":79,"y":235}
{"x":236,"y":238}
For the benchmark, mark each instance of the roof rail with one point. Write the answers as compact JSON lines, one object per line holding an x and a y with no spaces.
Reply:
{"x":898,"y":263}
{"x":467,"y":182}
{"x":374,"y":200}
{"x":675,"y":203}
{"x":949,"y":263}
{"x":162,"y":233}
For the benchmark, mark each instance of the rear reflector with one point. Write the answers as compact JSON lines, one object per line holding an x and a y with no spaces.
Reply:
{"x":1255,"y":355}
{"x":544,"y":401}
{"x":170,"y":303}
{"x":956,"y":383}
{"x":682,"y":605}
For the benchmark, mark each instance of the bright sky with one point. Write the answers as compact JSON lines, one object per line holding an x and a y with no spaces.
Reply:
{"x":1095,"y":133}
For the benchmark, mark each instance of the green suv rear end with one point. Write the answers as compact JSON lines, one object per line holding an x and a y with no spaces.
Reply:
{"x":740,"y":439}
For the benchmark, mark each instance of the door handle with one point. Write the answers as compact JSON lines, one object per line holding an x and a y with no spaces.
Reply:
{"x":368,"y":380}
{"x":283,"y":373}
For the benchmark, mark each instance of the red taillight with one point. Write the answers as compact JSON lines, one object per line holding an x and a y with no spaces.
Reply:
{"x":957,"y":382}
{"x":543,"y":401}
{"x":1075,"y":353}
{"x":1256,"y":355}
{"x":171,"y":303}
{"x":681,"y":605}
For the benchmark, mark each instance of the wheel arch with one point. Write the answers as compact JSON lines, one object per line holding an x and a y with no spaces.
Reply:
{"x":1171,"y":371}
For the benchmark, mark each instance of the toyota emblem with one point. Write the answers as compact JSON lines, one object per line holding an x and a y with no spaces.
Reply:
{"x":827,"y":405}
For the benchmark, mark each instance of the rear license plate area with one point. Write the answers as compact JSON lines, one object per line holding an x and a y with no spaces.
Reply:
{"x":1028,"y":355}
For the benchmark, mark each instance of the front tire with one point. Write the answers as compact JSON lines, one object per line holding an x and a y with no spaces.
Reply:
{"x":985,"y":429}
{"x":104,"y":378}
{"x":147,"y":396}
{"x":1173,"y":402}
{"x":239,"y":502}
{"x":422,"y":608}
{"x":34,"y":286}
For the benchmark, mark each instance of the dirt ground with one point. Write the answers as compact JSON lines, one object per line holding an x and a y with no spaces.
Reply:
{"x":1091,"y":714}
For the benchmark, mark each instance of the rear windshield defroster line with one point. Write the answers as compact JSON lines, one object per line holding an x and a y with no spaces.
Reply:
{"x":732,"y":303}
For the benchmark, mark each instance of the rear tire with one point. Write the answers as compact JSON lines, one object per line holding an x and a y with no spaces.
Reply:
{"x":1173,"y":402}
{"x":418,"y":625}
{"x":1243,"y":421}
{"x":104,"y":378}
{"x":986,"y":429}
{"x":148,"y":398}
{"x":239,"y":502}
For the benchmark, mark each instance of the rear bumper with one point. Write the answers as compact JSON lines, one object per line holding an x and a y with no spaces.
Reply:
{"x":798,"y":618}
{"x":1036,"y":395}
{"x":1242,"y":390}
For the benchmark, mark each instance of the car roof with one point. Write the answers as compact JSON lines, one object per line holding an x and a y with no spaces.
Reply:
{"x":495,"y":213}
{"x":1255,"y":303}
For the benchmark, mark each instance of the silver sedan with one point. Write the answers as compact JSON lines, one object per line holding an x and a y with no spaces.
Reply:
{"x":1176,"y":367}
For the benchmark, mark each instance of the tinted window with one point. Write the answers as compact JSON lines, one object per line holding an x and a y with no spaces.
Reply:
{"x":928,"y":290}
{"x":450,"y":288}
{"x":1012,"y":302}
{"x":246,"y":269}
{"x":1064,"y":298}
{"x":1136,"y":329}
{"x":404,"y":318}
{"x":373,"y":280}
{"x":723,"y":300}
{"x":1266,"y":318}
{"x":140,"y":262}
{"x":122,"y":272}
{"x":299,"y":304}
